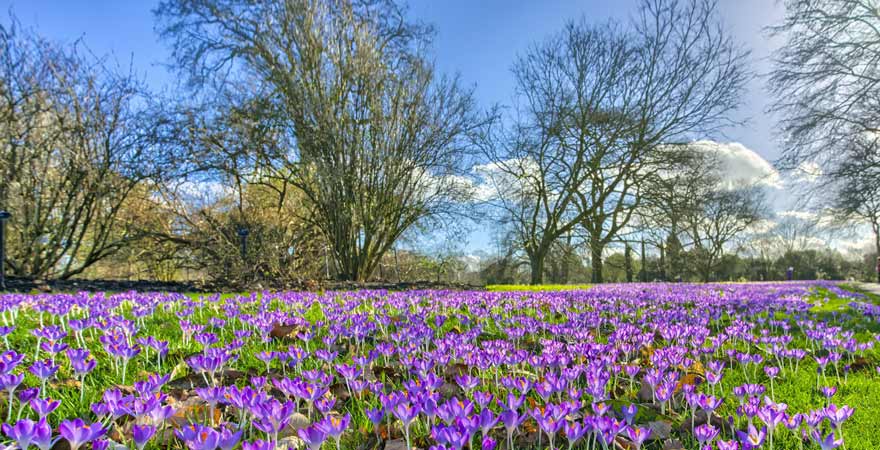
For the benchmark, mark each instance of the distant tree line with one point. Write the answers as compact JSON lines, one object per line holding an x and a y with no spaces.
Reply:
{"x":316,"y":139}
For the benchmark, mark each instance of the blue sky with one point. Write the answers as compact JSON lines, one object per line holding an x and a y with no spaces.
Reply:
{"x":477,"y":39}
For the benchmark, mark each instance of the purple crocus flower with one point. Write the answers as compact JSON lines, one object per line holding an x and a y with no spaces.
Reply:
{"x":325,"y":404}
{"x":53,"y":348}
{"x":273,"y":415}
{"x":334,"y":426}
{"x":9,"y":383}
{"x":10,"y":359}
{"x":198,"y":437}
{"x":574,"y":431}
{"x":78,"y":432}
{"x":375,"y":416}
{"x":838,"y":415}
{"x":727,"y":445}
{"x":710,"y":403}
{"x":406,"y":412}
{"x":80,"y":361}
{"x":22,"y":432}
{"x":453,"y":435}
{"x":44,"y":407}
{"x":212,"y":395}
{"x":141,"y":434}
{"x":467,"y":382}
{"x":42,"y":436}
{"x":228,"y":438}
{"x":313,"y":436}
{"x":26,"y":395}
{"x":43,"y":369}
{"x":482,"y":398}
{"x":512,"y":419}
{"x":828,"y":391}
{"x":705,"y":433}
{"x":638,"y":435}
{"x":828,"y":442}
{"x":753,"y":438}
{"x":629,"y":413}
{"x":259,"y":444}
{"x":488,"y":419}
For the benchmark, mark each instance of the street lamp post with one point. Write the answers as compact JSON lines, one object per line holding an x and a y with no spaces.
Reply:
{"x":4,"y":216}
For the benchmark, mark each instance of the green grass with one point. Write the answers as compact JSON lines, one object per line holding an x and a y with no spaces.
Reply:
{"x":859,"y":388}
{"x":536,"y":287}
{"x":797,"y":388}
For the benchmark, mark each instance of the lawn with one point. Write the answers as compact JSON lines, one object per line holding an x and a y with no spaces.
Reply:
{"x":536,"y":287}
{"x":649,"y":366}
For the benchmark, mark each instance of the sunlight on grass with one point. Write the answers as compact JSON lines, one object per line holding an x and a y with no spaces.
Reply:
{"x":536,"y":288}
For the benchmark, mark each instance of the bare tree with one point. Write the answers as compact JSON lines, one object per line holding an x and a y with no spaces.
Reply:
{"x":827,"y":79}
{"x":723,"y":219}
{"x":75,"y":145}
{"x":827,"y":87}
{"x":376,"y":141}
{"x":222,"y":187}
{"x":672,"y":197}
{"x":533,"y":183}
{"x":856,"y":194}
{"x":688,"y":77}
{"x":598,"y":104}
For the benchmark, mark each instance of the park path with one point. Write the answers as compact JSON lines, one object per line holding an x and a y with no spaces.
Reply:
{"x":873,"y":288}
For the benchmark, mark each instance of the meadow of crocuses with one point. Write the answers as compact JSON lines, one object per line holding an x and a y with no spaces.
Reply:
{"x":636,"y":366}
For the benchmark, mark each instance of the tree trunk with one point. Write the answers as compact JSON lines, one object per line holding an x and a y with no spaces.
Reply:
{"x":663,"y":263}
{"x":644,"y":268}
{"x":351,"y":269}
{"x":627,"y":263}
{"x":707,"y":271}
{"x":566,"y":263}
{"x":875,"y":226}
{"x":536,"y":262}
{"x":596,"y":255}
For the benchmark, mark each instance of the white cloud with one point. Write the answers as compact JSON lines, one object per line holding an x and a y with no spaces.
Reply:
{"x":857,"y":245}
{"x":823,"y":219}
{"x":807,"y":172}
{"x":471,"y":262}
{"x":762,"y":226}
{"x":505,"y":179}
{"x":207,"y":190}
{"x":740,"y":166}
{"x":802,"y":215}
